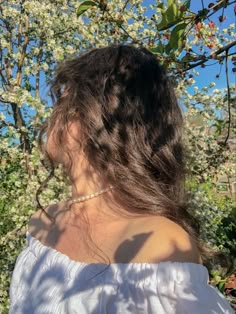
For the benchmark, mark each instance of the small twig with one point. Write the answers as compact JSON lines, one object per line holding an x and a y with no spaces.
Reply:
{"x":122,"y":27}
{"x":125,"y":5}
{"x":216,"y":53}
{"x":217,"y":7}
{"x":7,"y":124}
{"x":208,"y":65}
{"x":220,"y":68}
{"x":7,"y":102}
{"x":3,"y":77}
{"x":134,"y":40}
{"x":228,"y":96}
{"x":232,"y":54}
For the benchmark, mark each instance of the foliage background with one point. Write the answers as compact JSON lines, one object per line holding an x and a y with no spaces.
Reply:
{"x":35,"y":35}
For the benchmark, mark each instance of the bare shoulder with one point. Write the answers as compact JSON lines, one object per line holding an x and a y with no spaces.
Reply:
{"x":167,"y":241}
{"x":42,"y":220}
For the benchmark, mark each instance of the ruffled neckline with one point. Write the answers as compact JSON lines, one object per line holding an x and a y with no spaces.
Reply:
{"x":180,"y":271}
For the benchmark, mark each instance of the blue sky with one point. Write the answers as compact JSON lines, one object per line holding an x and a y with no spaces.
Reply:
{"x":208,"y":74}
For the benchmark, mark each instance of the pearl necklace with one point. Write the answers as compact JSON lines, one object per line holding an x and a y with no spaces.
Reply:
{"x":87,"y":197}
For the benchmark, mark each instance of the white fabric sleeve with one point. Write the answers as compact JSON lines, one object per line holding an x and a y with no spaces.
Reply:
{"x":187,"y":290}
{"x":47,"y":281}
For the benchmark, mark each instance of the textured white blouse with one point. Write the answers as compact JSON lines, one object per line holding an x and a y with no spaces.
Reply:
{"x":47,"y":281}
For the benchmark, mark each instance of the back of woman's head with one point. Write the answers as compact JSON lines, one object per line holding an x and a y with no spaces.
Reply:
{"x":130,"y":126}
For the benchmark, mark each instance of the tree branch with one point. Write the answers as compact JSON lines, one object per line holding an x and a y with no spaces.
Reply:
{"x":228,"y":96}
{"x":125,"y":5}
{"x":19,"y":120}
{"x":37,"y":82}
{"x":4,"y":124}
{"x":216,"y":53}
{"x":218,"y":6}
{"x":23,"y":54}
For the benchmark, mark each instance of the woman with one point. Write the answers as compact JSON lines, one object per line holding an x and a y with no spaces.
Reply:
{"x":125,"y":242}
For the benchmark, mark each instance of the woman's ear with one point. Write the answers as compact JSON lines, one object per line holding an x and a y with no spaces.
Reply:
{"x":53,"y":147}
{"x":73,"y":135}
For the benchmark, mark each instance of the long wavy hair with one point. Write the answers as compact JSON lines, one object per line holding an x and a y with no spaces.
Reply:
{"x":131,"y":124}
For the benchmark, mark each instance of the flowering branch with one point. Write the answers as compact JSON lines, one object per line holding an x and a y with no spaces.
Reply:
{"x":216,"y":53}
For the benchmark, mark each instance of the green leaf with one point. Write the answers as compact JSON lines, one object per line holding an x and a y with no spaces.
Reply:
{"x":176,"y":38}
{"x":157,"y":49}
{"x":221,"y":286}
{"x":170,"y":17}
{"x":161,"y":6}
{"x":201,"y":15}
{"x":188,"y":58}
{"x":84,"y":6}
{"x":28,"y":86}
{"x":187,"y":4}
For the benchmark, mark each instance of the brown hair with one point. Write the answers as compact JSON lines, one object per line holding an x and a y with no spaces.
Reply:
{"x":131,"y":125}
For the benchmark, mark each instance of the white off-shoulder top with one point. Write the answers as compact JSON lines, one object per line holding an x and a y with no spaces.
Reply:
{"x":45,"y":281}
